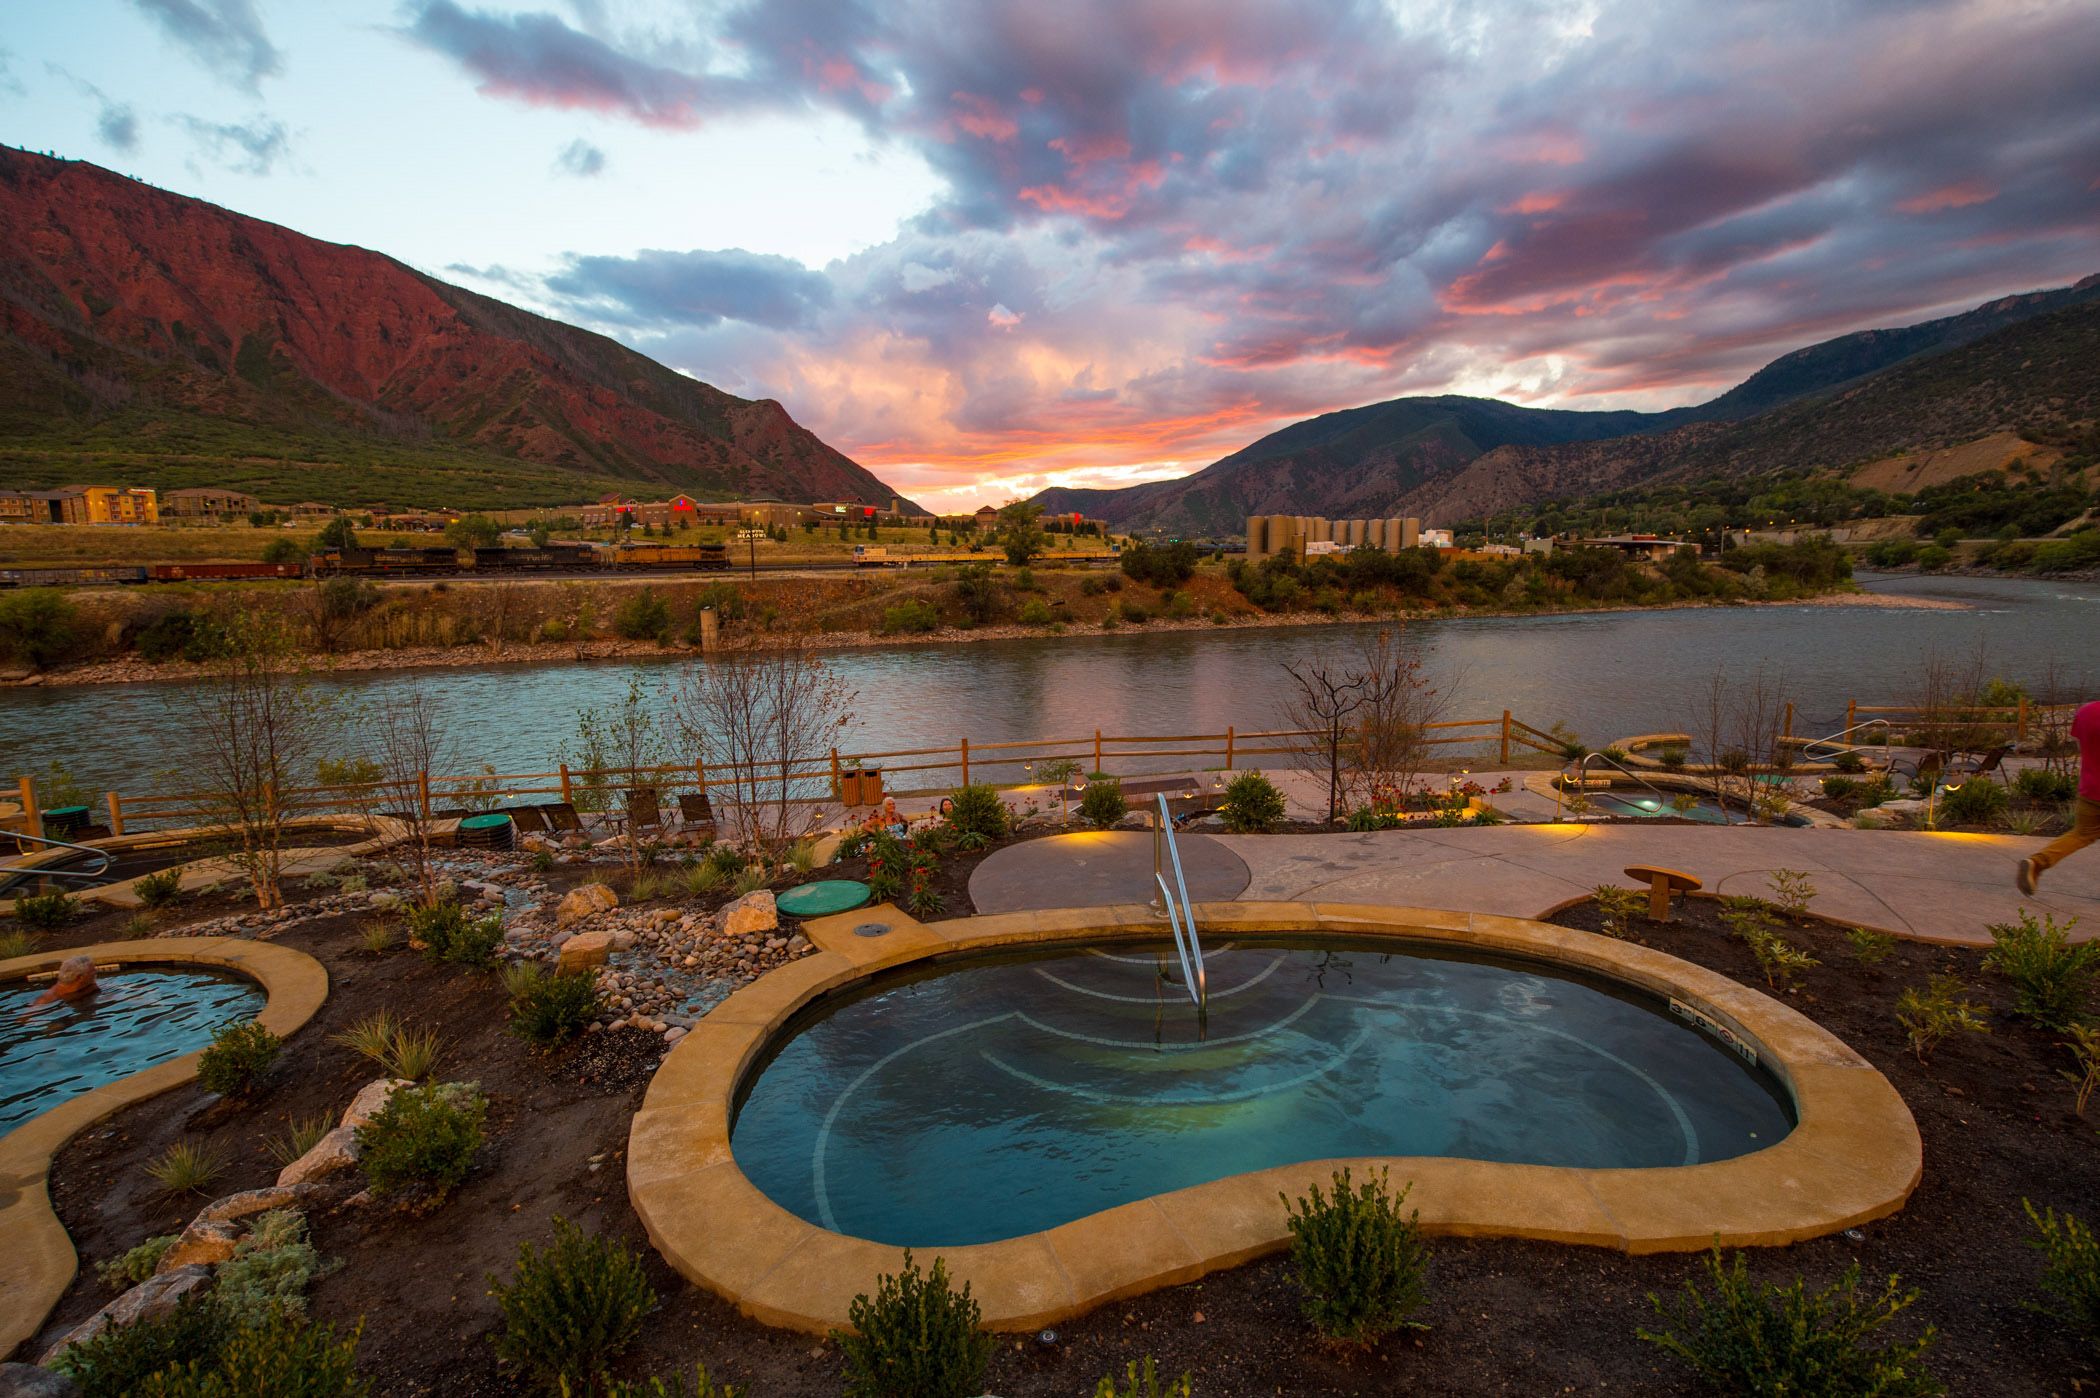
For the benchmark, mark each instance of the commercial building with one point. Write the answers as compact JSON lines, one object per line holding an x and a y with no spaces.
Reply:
{"x":1651,"y":548}
{"x":207,"y":502}
{"x":1273,"y":534}
{"x":81,"y":504}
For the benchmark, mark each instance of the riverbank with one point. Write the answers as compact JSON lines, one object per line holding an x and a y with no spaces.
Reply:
{"x":133,"y":670}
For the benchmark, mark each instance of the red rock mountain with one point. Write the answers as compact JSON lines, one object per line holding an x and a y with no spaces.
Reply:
{"x":143,"y":322}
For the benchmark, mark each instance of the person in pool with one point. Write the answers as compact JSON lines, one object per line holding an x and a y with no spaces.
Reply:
{"x":2085,"y":815}
{"x":76,"y":981}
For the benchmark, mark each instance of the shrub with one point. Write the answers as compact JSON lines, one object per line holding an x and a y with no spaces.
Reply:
{"x":1367,"y":818}
{"x":284,"y":1356}
{"x":1757,"y":1338}
{"x":269,"y":1270}
{"x":571,"y":1306}
{"x":653,"y":1387}
{"x":1791,"y":891}
{"x":1102,"y":805}
{"x":1931,"y":1012}
{"x":238,"y":1056}
{"x":1363,"y":1269}
{"x":1617,"y":906}
{"x":1672,"y":758}
{"x":47,"y":912}
{"x":2084,"y":1045}
{"x":15,"y":942}
{"x":915,"y":1338}
{"x":300,"y":1135}
{"x":1143,"y":1383}
{"x":548,"y":1010}
{"x":1840,"y":788}
{"x":187,"y":1167}
{"x":39,"y":626}
{"x":644,"y":616}
{"x":424,"y":1139}
{"x":377,"y":937}
{"x":910,"y":617}
{"x":978,"y":811}
{"x":2052,"y":979}
{"x":158,"y":890}
{"x":1849,"y":762}
{"x":1132,"y":612}
{"x":1253,"y":804}
{"x":1778,"y":958}
{"x":726,"y":860}
{"x":449,"y":934}
{"x":1976,"y":801}
{"x":1035,"y":612}
{"x":1869,"y":946}
{"x":130,"y":1268}
{"x":2040,"y":784}
{"x":2070,"y":1268}
{"x":116,"y":1362}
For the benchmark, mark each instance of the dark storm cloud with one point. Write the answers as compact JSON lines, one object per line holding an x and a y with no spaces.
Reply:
{"x":1227,"y":213}
{"x":226,"y":36}
{"x":580,"y":158}
{"x":696,"y":288}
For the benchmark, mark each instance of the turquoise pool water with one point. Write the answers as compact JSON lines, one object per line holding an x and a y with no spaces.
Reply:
{"x":993,"y":1098}
{"x":137,"y":1019}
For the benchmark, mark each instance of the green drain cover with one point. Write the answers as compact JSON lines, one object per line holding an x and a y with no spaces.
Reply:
{"x":824,"y":897}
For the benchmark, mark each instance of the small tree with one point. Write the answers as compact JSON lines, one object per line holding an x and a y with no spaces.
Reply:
{"x":753,"y":708}
{"x":620,"y":744}
{"x":405,"y":727}
{"x":338,"y":533}
{"x":257,"y":728}
{"x":1366,"y":719}
{"x":1020,"y":535}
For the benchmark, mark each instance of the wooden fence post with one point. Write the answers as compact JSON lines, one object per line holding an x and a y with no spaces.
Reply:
{"x":565,"y":796}
{"x":1505,"y":737}
{"x":837,"y":789}
{"x":1851,"y":717}
{"x":1097,"y":749}
{"x":700,"y":770}
{"x":423,"y":795}
{"x":2020,"y":732}
{"x":966,"y":761}
{"x":1231,"y":736}
{"x":116,"y":814}
{"x":32,"y":818}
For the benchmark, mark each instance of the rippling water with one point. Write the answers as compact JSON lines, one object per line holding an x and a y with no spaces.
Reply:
{"x":1606,"y":674}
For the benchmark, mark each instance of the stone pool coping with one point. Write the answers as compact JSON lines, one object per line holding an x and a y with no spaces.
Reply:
{"x":37,"y":1261}
{"x":1854,"y":1156}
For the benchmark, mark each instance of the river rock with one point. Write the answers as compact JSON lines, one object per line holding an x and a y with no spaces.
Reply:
{"x":333,"y":1152}
{"x":586,"y":900}
{"x":34,"y":1381}
{"x":255,"y":1201}
{"x":151,"y":1298}
{"x":584,"y":953}
{"x":754,"y":912}
{"x":208,"y":1242}
{"x":369,"y":1100}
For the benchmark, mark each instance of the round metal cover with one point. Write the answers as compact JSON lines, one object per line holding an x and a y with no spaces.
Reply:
{"x":870,"y":929}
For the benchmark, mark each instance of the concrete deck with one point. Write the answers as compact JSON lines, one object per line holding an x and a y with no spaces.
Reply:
{"x":1944,"y":887}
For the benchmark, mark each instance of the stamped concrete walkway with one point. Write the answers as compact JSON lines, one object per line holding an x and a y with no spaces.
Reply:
{"x":1936,"y":887}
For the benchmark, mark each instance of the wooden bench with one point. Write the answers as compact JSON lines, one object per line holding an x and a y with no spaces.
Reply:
{"x":1661,"y":884}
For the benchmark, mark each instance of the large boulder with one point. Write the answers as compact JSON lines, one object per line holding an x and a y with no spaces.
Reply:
{"x":151,"y":1298}
{"x":584,"y":901}
{"x":207,"y":1242}
{"x":256,"y":1201}
{"x":754,"y":912}
{"x":583,"y":953}
{"x":370,"y":1099}
{"x":334,"y":1152}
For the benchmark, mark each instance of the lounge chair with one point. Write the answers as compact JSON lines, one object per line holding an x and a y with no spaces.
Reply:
{"x":562,"y":817}
{"x":529,"y":820}
{"x":642,"y":811}
{"x":696,"y":813}
{"x":1987,"y":765}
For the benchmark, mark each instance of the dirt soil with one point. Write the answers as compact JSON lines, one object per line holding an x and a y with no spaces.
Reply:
{"x":1505,"y":1317}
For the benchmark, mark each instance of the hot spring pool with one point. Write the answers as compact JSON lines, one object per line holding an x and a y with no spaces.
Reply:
{"x":138,"y":1018}
{"x":996,"y":1097}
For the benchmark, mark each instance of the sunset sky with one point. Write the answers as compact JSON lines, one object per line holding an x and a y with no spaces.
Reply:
{"x":985,"y":247}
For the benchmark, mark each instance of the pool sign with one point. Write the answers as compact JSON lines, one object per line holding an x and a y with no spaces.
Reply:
{"x":1743,"y":1047}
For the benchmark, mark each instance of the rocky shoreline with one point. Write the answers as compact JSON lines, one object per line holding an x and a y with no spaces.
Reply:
{"x":136,"y":671}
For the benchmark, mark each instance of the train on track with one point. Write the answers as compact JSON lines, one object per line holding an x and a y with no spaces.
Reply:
{"x":397,"y":563}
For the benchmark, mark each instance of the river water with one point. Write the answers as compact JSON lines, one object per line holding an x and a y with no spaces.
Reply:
{"x":1606,"y":675}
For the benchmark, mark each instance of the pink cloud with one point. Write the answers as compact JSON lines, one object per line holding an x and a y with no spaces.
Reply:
{"x":1954,"y":196}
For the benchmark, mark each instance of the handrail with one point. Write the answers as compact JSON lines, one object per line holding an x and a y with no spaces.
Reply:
{"x":32,"y":869}
{"x":1848,"y":732}
{"x":1194,"y":978}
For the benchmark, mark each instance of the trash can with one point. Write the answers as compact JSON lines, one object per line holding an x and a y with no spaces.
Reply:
{"x":871,"y":786}
{"x":491,"y":831}
{"x":849,"y":786}
{"x":64,"y":822}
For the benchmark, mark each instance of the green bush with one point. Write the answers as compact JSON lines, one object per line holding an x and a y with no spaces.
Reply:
{"x":1102,"y":804}
{"x":2040,"y":784}
{"x":128,"y":1269}
{"x":1756,"y":1338}
{"x":1931,"y":1012}
{"x":2052,"y":979}
{"x":114,"y":1363}
{"x":1977,"y":801}
{"x":1849,"y":762}
{"x":284,"y":1356}
{"x":548,"y":1010}
{"x":701,"y":1386}
{"x":2070,"y":1269}
{"x":1132,"y":612}
{"x":424,"y":1139}
{"x":571,"y":1306}
{"x":1143,"y":1382}
{"x":238,"y":1056}
{"x":644,"y":616}
{"x":178,"y":635}
{"x":1362,"y":1268}
{"x":449,"y":934}
{"x":979,"y":812}
{"x":269,"y":1270}
{"x":158,"y":890}
{"x":40,"y":627}
{"x":910,"y":617}
{"x":1253,"y":805}
{"x":916,"y":1338}
{"x":46,"y":912}
{"x":1672,"y":758}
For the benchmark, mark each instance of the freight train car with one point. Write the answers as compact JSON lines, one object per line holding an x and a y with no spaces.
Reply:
{"x":69,"y":577}
{"x":196,"y":572}
{"x":540,"y":559}
{"x":637,"y":557}
{"x":386,"y":563}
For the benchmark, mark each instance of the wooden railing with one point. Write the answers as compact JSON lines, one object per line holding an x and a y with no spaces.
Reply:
{"x":962,"y":763}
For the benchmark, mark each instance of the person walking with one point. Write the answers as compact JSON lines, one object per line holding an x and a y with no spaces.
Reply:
{"x":2085,"y":812}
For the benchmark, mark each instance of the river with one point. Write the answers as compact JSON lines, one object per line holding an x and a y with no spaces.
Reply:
{"x":1605,"y":674}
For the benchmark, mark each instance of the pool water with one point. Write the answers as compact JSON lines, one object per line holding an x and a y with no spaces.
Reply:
{"x":137,"y":1019}
{"x":1647,"y":805}
{"x":1000,"y":1097}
